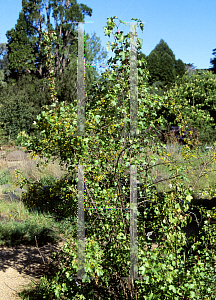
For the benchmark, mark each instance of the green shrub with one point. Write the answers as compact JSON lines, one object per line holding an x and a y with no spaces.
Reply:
{"x":16,"y":114}
{"x":47,"y":180}
{"x":4,"y":177}
{"x":195,"y":96}
{"x":20,"y":103}
{"x":59,"y":199}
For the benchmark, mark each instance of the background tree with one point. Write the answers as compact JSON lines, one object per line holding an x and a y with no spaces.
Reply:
{"x":195,"y":95}
{"x":153,"y":63}
{"x":180,"y":68}
{"x":94,"y":53}
{"x":28,"y":55}
{"x":67,"y":84}
{"x":20,"y":103}
{"x":4,"y":59}
{"x":28,"y":63}
{"x":21,"y":53}
{"x":162,"y":65}
{"x":213,"y":62}
{"x":166,"y":70}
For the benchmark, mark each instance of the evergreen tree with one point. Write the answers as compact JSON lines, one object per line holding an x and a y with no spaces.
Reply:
{"x":153,"y":65}
{"x":166,"y":68}
{"x":162,"y":65}
{"x":180,"y":68}
{"x":213,"y":62}
{"x":21,"y":53}
{"x":25,"y":43}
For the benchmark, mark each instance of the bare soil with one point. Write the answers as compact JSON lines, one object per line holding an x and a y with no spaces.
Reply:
{"x":22,"y":264}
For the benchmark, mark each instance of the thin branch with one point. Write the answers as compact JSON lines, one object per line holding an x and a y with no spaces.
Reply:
{"x":39,"y":250}
{"x":207,"y":163}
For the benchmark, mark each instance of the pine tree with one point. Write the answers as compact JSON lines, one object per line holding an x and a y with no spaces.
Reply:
{"x":213,"y":62}
{"x":21,"y":53}
{"x":25,"y":43}
{"x":162,"y":65}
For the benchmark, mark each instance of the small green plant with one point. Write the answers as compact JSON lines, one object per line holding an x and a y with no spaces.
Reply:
{"x":37,"y":291}
{"x":4,"y":177}
{"x":47,"y":180}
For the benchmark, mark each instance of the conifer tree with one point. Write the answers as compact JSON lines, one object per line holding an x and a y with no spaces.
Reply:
{"x":162,"y":65}
{"x":213,"y":62}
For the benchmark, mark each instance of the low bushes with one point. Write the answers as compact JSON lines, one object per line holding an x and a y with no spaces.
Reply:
{"x":24,"y":232}
{"x":57,"y":198}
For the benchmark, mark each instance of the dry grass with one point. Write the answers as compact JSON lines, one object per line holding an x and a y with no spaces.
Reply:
{"x":198,"y":159}
{"x":30,"y":171}
{"x":54,"y":170}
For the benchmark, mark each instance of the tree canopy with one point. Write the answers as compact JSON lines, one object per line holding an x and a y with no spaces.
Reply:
{"x":162,"y":65}
{"x":195,"y":95}
{"x":25,"y":57}
{"x":213,"y":62}
{"x":25,"y":42}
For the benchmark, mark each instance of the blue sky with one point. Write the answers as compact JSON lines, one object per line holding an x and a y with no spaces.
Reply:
{"x":187,"y":26}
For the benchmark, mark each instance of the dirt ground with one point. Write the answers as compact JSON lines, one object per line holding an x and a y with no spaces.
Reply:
{"x":20,"y":265}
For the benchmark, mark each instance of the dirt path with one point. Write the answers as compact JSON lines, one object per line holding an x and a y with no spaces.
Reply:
{"x":21,"y":264}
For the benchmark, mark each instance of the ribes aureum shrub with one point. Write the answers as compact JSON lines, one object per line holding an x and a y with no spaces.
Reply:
{"x":106,"y":152}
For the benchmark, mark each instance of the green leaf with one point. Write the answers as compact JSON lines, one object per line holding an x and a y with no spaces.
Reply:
{"x":189,"y":198}
{"x":122,"y":53}
{"x":97,"y":119}
{"x":172,"y":288}
{"x":192,"y":294}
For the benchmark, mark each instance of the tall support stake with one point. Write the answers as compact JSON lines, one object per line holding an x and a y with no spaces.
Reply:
{"x":80,"y":132}
{"x":133,"y":168}
{"x":81,"y":92}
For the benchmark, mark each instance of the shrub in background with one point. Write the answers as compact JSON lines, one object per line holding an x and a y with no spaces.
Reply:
{"x":20,"y":103}
{"x":195,"y":96}
{"x":56,"y":197}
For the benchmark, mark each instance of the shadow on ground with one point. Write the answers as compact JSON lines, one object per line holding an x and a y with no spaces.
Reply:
{"x":27,"y":259}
